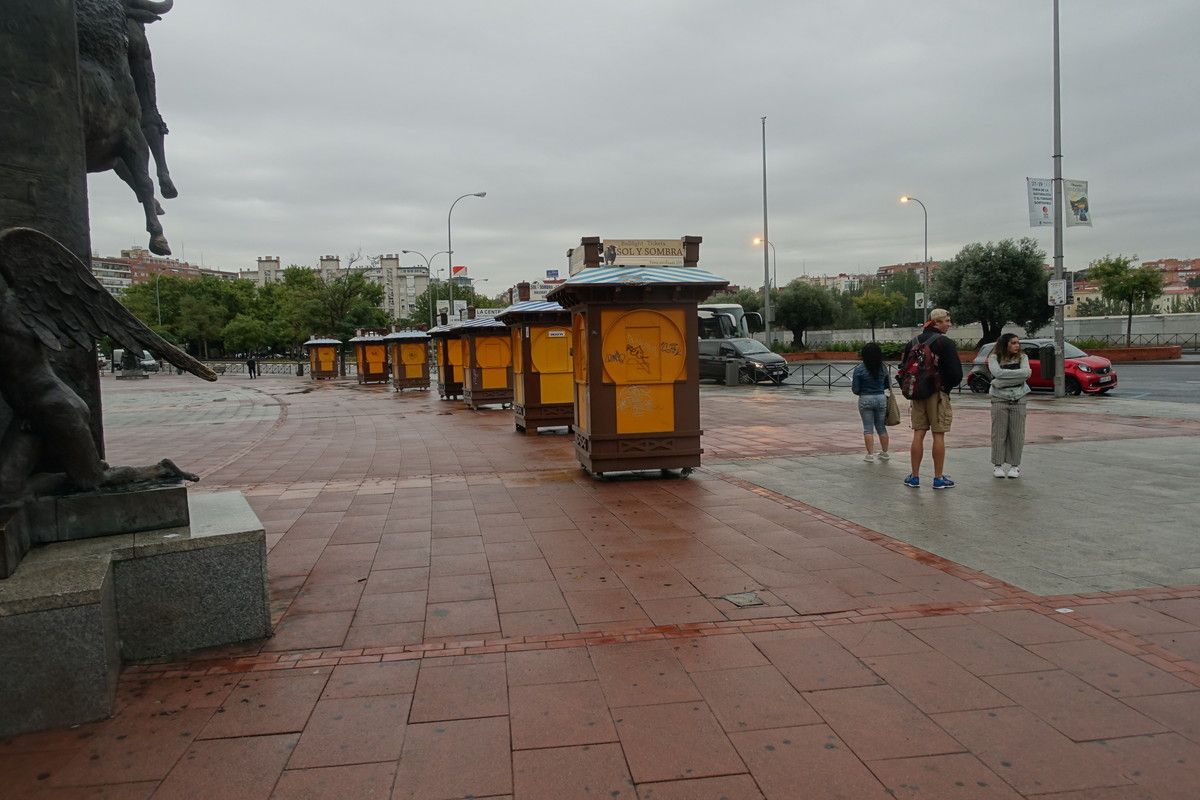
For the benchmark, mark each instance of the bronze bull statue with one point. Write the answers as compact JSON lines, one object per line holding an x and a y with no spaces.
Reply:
{"x":122,"y":125}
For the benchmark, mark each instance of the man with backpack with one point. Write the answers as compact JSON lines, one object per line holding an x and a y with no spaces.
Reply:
{"x":929,"y":369}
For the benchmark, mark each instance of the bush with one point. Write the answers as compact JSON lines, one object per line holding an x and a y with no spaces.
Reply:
{"x":891,"y":350}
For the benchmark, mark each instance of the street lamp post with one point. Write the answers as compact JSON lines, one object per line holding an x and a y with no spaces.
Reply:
{"x":450,"y":243}
{"x":906,"y":199}
{"x":774,"y":261}
{"x":157,"y":302}
{"x":765,"y":236}
{"x":429,"y":273}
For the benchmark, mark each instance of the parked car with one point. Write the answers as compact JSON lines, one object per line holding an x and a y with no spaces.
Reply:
{"x":149,"y":362}
{"x":1084,"y":373}
{"x":756,"y":362}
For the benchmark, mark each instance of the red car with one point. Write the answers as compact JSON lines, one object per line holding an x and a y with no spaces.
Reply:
{"x":1084,"y":374}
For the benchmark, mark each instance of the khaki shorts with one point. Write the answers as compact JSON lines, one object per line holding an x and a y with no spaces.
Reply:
{"x":932,"y":413}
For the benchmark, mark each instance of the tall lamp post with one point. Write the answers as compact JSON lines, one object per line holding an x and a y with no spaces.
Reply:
{"x":450,"y":243}
{"x":429,"y":273}
{"x":906,"y":199}
{"x":1060,"y":385}
{"x":774,"y":261}
{"x":765,"y":237}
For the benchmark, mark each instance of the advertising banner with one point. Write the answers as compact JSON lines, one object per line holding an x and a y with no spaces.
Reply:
{"x":1075,"y":193}
{"x":1041,"y":201}
{"x":551,"y":274}
{"x":458,"y":271}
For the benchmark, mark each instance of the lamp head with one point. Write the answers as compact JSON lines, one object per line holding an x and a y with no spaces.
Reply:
{"x":904,"y":199}
{"x":406,"y":251}
{"x":758,"y":240}
{"x":480,"y":194}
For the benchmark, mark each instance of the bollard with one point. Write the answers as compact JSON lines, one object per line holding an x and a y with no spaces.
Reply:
{"x":732,"y":369}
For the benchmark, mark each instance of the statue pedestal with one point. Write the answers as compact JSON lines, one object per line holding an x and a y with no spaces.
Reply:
{"x":74,"y":610}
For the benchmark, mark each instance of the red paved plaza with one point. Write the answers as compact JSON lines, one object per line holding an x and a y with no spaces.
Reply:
{"x":460,"y":612}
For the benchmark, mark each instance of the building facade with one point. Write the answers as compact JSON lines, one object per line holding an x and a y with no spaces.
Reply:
{"x":138,"y":265}
{"x":402,"y":284}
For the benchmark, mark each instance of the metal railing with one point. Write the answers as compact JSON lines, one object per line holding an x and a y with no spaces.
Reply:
{"x":841,"y":375}
{"x":1188,"y":341}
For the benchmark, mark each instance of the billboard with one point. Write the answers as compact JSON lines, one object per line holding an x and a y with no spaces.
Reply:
{"x":642,"y":252}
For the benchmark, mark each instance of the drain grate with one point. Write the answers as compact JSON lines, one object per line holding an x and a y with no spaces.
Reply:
{"x":744,"y":599}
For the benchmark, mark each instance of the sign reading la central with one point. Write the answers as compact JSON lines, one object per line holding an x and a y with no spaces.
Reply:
{"x":634,"y":253}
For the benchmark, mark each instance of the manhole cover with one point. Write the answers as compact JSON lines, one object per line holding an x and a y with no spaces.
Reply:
{"x":743,"y":599}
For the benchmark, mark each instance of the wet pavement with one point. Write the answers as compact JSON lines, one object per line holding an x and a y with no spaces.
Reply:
{"x":462,"y":613}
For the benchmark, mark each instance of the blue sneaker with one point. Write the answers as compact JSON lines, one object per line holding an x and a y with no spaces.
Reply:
{"x":943,"y":482}
{"x":913,"y":481}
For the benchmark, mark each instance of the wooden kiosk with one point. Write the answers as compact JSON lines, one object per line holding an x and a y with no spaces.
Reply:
{"x":543,"y":389}
{"x":370,"y":356}
{"x":448,"y":355}
{"x":636,"y":368}
{"x":487,"y":359}
{"x":409,"y":354}
{"x":322,"y":357}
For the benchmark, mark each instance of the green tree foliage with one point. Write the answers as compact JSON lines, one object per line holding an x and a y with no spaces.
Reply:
{"x":994,"y":284}
{"x":246,"y":334}
{"x":208,"y":312}
{"x":876,"y":306}
{"x":803,"y":306}
{"x":748,"y":299}
{"x":907,"y":284}
{"x":1119,"y":281}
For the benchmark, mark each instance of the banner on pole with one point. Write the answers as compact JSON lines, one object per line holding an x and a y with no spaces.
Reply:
{"x":1075,"y":193}
{"x":1041,"y":201}
{"x":458,"y":271}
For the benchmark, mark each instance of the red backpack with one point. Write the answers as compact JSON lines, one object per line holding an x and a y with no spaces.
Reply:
{"x":918,"y":373}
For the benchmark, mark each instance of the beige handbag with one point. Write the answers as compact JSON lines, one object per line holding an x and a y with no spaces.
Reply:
{"x":892,"y":415}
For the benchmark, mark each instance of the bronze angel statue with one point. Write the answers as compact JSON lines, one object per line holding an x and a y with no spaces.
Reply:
{"x":50,"y":300}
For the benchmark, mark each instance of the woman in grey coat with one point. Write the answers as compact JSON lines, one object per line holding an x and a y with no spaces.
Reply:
{"x":1010,"y":371}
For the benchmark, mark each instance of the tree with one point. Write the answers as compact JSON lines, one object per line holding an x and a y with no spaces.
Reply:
{"x":802,"y":306}
{"x":907,"y":284}
{"x":748,"y":299}
{"x":875,"y":305}
{"x":1120,"y":282}
{"x":245,"y":334}
{"x":201,"y":321}
{"x":994,"y":284}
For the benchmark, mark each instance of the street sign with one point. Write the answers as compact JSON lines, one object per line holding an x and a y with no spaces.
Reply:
{"x":919,"y":300}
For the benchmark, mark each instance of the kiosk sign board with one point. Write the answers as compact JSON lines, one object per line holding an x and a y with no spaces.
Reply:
{"x":642,"y":253}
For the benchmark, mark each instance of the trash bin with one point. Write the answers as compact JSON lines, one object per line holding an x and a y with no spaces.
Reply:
{"x":300,"y":369}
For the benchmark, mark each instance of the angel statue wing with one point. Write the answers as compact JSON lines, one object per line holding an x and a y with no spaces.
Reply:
{"x":62,"y":304}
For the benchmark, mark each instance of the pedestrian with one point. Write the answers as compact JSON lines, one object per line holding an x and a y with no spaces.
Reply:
{"x":1010,"y":371}
{"x":940,"y":370}
{"x":870,"y":383}
{"x":252,"y":367}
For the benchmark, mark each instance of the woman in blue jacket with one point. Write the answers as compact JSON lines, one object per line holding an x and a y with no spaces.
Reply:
{"x":870,"y":383}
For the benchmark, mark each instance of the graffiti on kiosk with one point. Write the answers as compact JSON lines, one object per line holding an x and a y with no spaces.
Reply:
{"x":672,"y":348}
{"x":636,"y":401}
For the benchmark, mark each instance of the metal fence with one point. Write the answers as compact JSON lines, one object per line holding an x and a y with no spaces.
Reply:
{"x":1188,"y":341}
{"x":840,"y":375}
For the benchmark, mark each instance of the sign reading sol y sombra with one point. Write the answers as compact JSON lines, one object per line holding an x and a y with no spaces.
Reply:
{"x":642,"y":253}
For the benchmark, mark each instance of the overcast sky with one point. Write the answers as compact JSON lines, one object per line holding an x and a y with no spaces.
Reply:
{"x":300,"y":128}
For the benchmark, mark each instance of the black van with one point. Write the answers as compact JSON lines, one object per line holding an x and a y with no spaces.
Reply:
{"x":757,"y":363}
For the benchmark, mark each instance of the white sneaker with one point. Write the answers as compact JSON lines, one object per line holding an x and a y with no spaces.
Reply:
{"x":885,"y":455}
{"x":998,"y":471}
{"x":1014,"y":472}
{"x":869,"y":457}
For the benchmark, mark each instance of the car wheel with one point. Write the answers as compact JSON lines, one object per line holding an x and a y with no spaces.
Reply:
{"x":1072,"y":386}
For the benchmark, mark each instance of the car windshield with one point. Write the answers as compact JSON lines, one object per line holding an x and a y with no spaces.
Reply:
{"x":752,"y":348}
{"x":1069,"y":349}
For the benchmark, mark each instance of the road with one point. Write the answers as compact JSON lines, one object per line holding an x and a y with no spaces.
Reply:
{"x":1170,"y":383}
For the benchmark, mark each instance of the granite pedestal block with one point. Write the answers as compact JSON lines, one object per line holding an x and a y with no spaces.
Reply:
{"x":74,"y":610}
